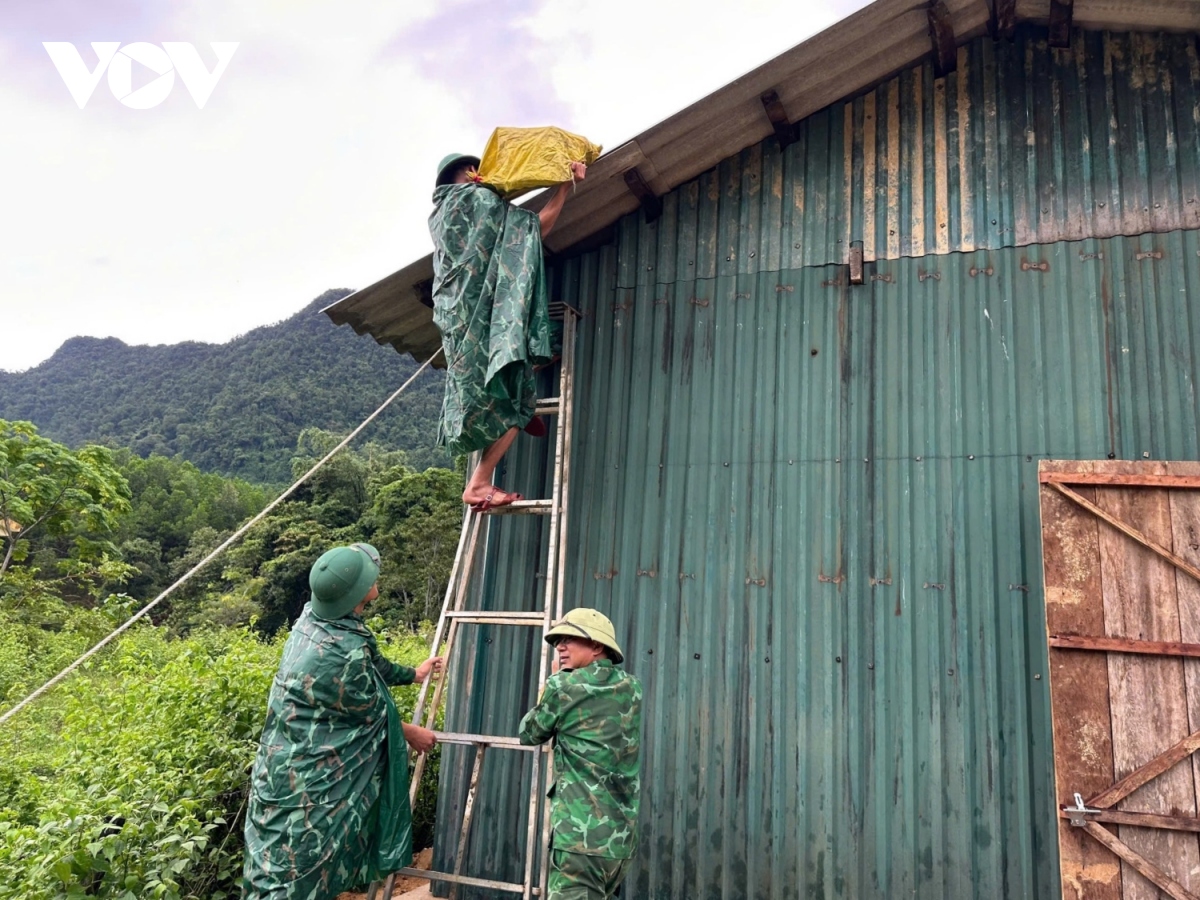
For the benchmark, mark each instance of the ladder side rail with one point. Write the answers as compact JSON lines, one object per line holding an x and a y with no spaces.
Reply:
{"x":566,"y":424}
{"x":468,"y":815}
{"x":560,"y":443}
{"x":452,"y":634}
{"x":451,"y":591}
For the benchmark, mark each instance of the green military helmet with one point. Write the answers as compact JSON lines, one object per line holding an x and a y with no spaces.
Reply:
{"x":590,"y":625}
{"x":341,"y":578}
{"x":447,"y":166}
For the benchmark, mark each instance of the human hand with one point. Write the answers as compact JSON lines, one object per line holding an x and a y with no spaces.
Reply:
{"x":433,"y":664}
{"x":578,"y":171}
{"x":420,"y":739}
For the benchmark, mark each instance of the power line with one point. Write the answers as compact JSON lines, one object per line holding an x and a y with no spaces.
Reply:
{"x":49,"y":685}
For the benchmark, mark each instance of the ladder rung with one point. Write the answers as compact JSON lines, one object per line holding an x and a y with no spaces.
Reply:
{"x":547,"y":406}
{"x":463,"y":879}
{"x":523,"y":508}
{"x":491,"y":740}
{"x":497,"y":617}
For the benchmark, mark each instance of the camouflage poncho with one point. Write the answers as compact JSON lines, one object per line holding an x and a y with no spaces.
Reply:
{"x":328,"y":807}
{"x":489,"y":302}
{"x":594,"y":715}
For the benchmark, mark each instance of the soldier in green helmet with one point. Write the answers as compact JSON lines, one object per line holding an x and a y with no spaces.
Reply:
{"x":328,"y":806}
{"x":491,"y":307}
{"x":592,"y":710}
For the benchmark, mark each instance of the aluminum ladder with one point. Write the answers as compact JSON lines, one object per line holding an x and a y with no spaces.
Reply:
{"x":454,"y":616}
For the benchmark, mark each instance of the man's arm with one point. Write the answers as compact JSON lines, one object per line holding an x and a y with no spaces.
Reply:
{"x":541,"y":723}
{"x":549,"y":213}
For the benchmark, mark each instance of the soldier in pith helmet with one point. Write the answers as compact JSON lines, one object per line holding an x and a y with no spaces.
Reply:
{"x":592,"y":710}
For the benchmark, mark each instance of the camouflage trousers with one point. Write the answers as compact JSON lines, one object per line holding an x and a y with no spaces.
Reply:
{"x":577,"y":876}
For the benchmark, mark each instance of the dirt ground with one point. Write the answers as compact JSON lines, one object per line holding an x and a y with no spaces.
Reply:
{"x":404,"y":884}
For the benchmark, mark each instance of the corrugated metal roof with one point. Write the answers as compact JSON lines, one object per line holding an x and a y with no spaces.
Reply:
{"x":811,"y":511}
{"x":861,"y":51}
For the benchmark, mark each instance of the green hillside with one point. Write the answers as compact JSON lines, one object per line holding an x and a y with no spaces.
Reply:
{"x":234,"y":408}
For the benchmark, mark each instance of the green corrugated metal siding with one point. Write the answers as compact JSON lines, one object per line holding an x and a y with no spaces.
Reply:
{"x":811,"y":509}
{"x":1021,"y":145}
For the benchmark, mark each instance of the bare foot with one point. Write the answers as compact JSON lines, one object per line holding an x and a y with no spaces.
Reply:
{"x":488,"y":497}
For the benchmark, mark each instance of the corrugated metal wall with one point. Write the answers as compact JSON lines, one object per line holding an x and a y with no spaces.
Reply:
{"x":1020,"y":145}
{"x":811,"y":509}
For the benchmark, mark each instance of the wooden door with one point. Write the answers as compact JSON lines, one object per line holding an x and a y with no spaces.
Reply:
{"x":1121,"y":551}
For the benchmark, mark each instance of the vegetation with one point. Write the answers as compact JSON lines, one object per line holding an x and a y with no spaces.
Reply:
{"x":235,"y":408}
{"x":129,"y":781}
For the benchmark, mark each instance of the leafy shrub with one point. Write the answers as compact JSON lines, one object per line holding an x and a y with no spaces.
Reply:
{"x":130,"y":781}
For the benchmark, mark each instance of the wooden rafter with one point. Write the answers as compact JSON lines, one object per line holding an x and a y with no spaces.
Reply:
{"x":1178,"y":561}
{"x":941,"y":34}
{"x":651,"y":204}
{"x":1061,"y":15}
{"x":786,"y":132}
{"x":1004,"y":19}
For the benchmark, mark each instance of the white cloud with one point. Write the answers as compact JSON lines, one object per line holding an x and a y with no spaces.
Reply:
{"x":311,"y":165}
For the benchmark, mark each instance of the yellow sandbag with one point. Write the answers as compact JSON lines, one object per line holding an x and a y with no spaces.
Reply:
{"x":521,"y":159}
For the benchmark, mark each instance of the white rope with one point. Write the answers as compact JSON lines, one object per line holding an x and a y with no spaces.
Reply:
{"x":200,"y":565}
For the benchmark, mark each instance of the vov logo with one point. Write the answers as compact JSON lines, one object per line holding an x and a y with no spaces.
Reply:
{"x":118,"y":60}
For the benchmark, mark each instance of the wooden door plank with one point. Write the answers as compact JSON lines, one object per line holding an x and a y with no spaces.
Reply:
{"x":1144,"y":866}
{"x":1125,"y":645}
{"x":1078,"y":685}
{"x":1111,"y":479}
{"x":1121,"y":524}
{"x":1147,"y":694}
{"x":1143,"y":820}
{"x":1185,"y":534}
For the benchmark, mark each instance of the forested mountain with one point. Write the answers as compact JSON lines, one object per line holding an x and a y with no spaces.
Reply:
{"x":235,"y":408}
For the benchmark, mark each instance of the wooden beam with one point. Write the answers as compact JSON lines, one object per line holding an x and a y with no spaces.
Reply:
{"x":424,"y":291}
{"x":941,"y":35}
{"x":1142,"y":820}
{"x":1004,"y":19}
{"x":651,"y":204}
{"x":1061,"y":14}
{"x":1152,"y":873}
{"x":1111,"y":480}
{"x":1146,"y":773}
{"x":1178,"y":561}
{"x":786,"y":132}
{"x":1124,"y":645}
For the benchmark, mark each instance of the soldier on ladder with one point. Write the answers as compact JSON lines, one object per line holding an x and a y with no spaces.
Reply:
{"x":490,"y":305}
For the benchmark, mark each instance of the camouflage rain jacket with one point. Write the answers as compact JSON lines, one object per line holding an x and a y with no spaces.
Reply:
{"x":594,"y":716}
{"x":489,"y":302}
{"x":328,"y":807}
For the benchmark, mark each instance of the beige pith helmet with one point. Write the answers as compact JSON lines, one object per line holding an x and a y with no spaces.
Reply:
{"x":589,"y":625}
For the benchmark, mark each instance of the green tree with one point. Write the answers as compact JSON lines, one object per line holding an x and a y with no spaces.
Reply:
{"x":72,"y":497}
{"x":414,"y":521}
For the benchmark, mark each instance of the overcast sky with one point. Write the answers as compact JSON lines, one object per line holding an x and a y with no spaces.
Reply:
{"x":311,"y":163}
